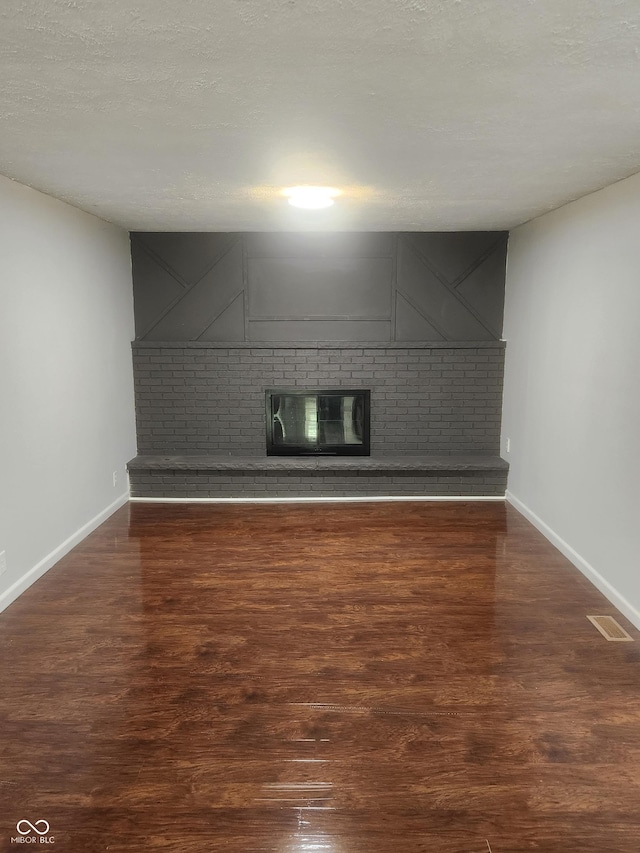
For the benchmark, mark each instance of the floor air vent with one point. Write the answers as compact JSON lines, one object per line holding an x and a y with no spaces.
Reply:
{"x":610,"y":629}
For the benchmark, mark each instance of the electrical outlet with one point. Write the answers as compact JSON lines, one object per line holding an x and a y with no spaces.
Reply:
{"x":115,"y":478}
{"x":508,"y":445}
{"x":3,"y":562}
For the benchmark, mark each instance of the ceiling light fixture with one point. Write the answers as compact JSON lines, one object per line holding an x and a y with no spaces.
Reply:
{"x":311,"y":198}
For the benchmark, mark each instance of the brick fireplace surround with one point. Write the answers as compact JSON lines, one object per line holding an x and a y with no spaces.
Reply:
{"x":435,"y":419}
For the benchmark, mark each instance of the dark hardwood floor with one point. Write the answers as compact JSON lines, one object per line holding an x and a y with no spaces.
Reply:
{"x":336,"y":678}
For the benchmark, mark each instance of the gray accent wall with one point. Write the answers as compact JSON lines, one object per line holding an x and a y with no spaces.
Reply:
{"x":347,"y":286}
{"x":414,"y":318}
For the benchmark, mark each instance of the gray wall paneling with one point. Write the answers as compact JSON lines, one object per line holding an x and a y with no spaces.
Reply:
{"x":345,"y":286}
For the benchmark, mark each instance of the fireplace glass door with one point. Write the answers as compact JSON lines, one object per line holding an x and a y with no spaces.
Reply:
{"x":300,"y":423}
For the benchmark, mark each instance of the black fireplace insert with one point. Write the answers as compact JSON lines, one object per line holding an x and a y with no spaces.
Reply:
{"x":301,"y":423}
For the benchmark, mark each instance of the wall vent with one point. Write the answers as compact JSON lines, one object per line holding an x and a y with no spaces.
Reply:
{"x":610,"y":629}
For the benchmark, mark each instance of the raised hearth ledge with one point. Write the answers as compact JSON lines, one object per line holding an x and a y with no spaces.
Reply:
{"x":371,"y":464}
{"x":317,"y":345}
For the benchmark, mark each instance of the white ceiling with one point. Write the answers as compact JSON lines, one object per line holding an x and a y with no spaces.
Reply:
{"x":430,"y":114}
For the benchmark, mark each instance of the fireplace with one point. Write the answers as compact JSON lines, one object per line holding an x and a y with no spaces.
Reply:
{"x":301,"y":423}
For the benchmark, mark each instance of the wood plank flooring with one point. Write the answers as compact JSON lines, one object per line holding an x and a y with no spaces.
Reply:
{"x":334,"y":678}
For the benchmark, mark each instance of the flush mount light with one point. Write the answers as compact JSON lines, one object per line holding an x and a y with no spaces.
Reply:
{"x":311,"y":198}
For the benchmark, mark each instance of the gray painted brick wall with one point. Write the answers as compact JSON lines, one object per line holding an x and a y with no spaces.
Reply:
{"x":195,"y":399}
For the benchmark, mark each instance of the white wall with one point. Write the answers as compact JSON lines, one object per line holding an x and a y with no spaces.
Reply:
{"x":572,"y":384}
{"x":66,"y":387}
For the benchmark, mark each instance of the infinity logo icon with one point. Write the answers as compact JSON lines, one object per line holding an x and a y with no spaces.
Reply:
{"x":32,"y":827}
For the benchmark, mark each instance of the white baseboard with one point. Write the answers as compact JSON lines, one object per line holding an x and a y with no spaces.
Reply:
{"x":608,"y":590}
{"x":23,"y":583}
{"x":318,"y":499}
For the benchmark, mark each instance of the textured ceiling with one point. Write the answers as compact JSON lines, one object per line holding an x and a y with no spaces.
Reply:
{"x":429,"y":114}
